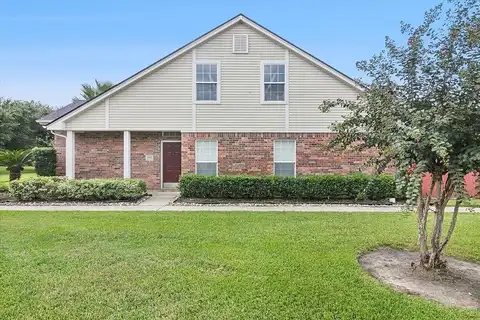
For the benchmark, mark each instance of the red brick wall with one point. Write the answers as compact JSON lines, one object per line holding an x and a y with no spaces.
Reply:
{"x":98,"y":155}
{"x":252,"y":153}
{"x":143,"y":144}
{"x":59,"y":145}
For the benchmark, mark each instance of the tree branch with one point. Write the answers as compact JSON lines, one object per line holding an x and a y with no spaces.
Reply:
{"x":452,"y":224}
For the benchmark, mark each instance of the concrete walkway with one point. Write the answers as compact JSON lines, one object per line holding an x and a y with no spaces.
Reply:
{"x":162,"y":201}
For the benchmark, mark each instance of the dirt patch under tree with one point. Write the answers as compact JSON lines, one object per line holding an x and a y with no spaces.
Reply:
{"x":458,"y":285}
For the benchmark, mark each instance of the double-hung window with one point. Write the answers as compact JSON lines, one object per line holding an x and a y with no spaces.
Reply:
{"x":206,"y":157}
{"x":284,"y":157}
{"x":273,"y":82}
{"x":206,"y":81}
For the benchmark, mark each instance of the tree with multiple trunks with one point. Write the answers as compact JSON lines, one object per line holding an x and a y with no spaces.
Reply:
{"x":420,"y":111}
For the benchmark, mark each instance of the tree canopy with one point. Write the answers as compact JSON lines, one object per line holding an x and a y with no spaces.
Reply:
{"x":420,"y":111}
{"x":18,"y":126}
{"x":89,"y":91}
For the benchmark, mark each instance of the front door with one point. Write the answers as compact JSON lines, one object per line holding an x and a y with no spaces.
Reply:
{"x":171,"y":162}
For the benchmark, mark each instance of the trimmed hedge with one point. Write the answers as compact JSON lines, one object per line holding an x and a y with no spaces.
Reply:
{"x":4,"y":186}
{"x":314,"y":187}
{"x":45,"y":160}
{"x":62,"y":189}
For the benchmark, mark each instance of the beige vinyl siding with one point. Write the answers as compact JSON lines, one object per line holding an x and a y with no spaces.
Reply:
{"x":90,"y":119}
{"x":240,"y":108}
{"x":160,"y":101}
{"x":309,"y":86}
{"x":163,"y":99}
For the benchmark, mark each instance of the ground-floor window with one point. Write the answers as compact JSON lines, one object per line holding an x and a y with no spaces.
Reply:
{"x":206,"y":157}
{"x":284,"y":157}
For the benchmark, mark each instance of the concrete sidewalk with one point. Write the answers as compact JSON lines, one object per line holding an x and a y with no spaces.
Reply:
{"x":163,"y":201}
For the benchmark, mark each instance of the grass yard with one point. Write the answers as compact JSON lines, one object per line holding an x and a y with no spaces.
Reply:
{"x":178,"y":265}
{"x":473,"y":203}
{"x":28,"y":172}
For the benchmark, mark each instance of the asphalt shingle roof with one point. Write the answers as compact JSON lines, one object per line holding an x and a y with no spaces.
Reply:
{"x":55,"y":114}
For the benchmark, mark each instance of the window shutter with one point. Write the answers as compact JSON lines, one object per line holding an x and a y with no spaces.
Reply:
{"x":240,"y":43}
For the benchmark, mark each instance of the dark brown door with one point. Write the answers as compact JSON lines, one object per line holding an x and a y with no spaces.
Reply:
{"x":171,"y":162}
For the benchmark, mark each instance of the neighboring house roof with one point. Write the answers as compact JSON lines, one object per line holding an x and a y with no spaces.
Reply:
{"x":239,"y":18}
{"x":60,"y":112}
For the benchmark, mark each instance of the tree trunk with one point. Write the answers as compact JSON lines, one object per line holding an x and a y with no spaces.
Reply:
{"x":453,"y":223}
{"x":422,"y":212}
{"x":15,"y":173}
{"x":437,"y":226}
{"x":431,"y":258}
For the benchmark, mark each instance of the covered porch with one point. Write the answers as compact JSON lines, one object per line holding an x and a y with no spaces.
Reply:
{"x":153,"y":156}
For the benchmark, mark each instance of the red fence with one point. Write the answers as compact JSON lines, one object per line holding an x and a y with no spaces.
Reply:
{"x":470,"y":184}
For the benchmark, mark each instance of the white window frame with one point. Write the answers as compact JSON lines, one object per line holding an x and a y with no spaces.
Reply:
{"x":262,"y":81}
{"x":196,"y":155}
{"x":233,"y":43}
{"x":216,"y":62}
{"x":295,"y":155}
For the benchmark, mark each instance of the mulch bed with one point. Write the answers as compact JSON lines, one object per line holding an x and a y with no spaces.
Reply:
{"x":457,"y":285}
{"x":275,"y":202}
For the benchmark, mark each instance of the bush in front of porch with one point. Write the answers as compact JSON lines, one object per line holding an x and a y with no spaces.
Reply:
{"x":62,"y":189}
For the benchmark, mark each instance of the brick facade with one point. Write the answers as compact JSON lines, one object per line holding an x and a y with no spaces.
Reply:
{"x":148,"y":143}
{"x":59,"y":145}
{"x":252,"y":153}
{"x":100,"y":154}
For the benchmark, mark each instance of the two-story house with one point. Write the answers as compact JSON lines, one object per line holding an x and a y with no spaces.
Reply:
{"x":237,"y":100}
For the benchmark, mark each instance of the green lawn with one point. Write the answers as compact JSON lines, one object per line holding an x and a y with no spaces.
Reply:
{"x":28,"y":172}
{"x":179,"y":265}
{"x":474,"y":203}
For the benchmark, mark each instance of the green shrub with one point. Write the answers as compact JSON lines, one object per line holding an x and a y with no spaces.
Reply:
{"x":314,"y":187}
{"x":62,"y":189}
{"x":45,"y":160}
{"x":4,"y":186}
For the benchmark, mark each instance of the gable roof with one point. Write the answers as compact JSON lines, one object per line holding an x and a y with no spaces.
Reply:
{"x":237,"y":19}
{"x":60,"y":112}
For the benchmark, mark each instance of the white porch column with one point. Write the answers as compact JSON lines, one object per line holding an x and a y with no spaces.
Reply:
{"x":70,"y":155}
{"x":127,"y":160}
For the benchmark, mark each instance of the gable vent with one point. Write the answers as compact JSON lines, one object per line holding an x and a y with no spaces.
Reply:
{"x":240,"y":43}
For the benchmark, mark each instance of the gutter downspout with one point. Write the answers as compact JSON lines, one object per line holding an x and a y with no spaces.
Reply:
{"x":58,"y":134}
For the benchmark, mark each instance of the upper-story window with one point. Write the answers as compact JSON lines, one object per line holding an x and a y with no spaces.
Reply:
{"x":273,"y":82}
{"x":206,"y":79}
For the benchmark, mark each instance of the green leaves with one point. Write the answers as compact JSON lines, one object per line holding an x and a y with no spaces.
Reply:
{"x":89,"y":91}
{"x":423,"y":103}
{"x":45,"y":160}
{"x":315,"y":187}
{"x":18,"y":126}
{"x":61,"y":189}
{"x":15,"y":158}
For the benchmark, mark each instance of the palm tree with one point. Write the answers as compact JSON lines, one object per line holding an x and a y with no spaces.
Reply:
{"x":89,"y":91}
{"x":15,"y":161}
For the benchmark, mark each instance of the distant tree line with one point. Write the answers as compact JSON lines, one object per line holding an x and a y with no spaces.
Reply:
{"x":18,"y":126}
